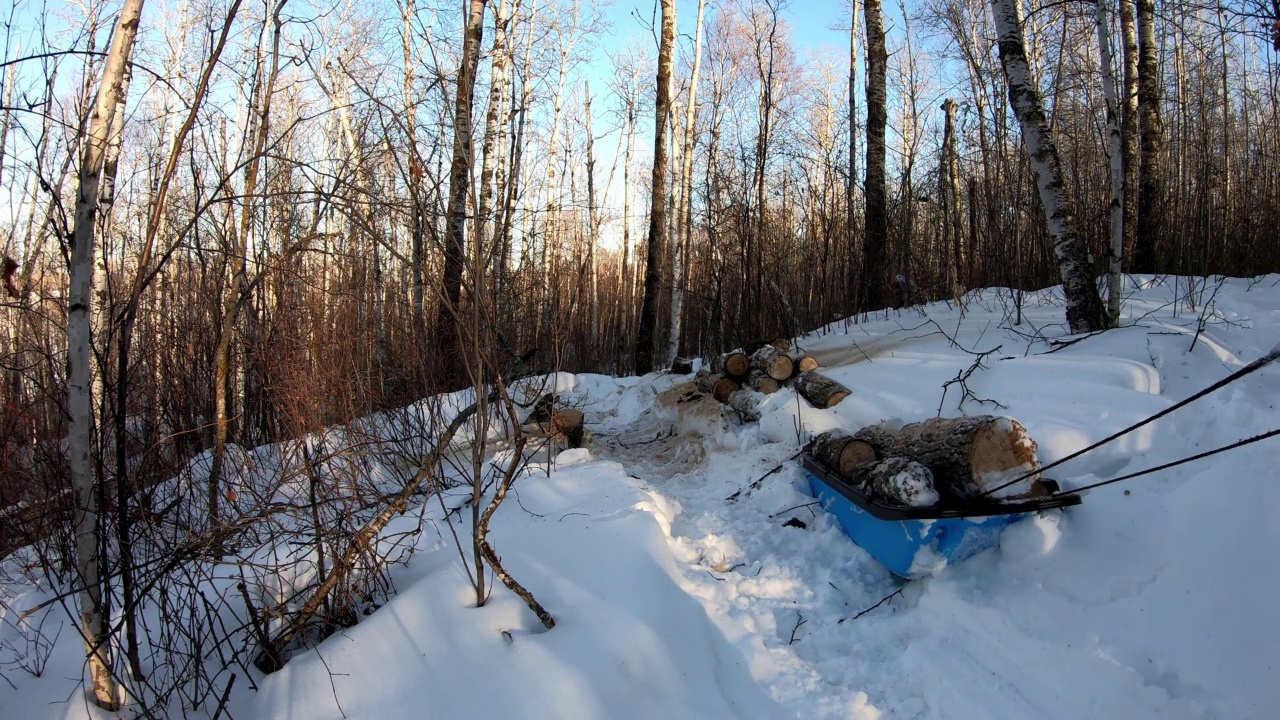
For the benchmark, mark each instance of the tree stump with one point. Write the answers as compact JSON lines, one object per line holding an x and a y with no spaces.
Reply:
{"x":968,"y":456}
{"x":821,"y":391}
{"x":896,"y":481}
{"x":840,"y":452}
{"x":772,"y":362}
{"x":734,"y":365}
{"x":682,"y":366}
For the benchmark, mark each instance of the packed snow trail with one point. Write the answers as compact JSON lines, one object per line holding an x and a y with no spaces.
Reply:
{"x":1043,"y":626}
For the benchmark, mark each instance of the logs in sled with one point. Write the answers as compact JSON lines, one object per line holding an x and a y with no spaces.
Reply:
{"x":927,"y":499}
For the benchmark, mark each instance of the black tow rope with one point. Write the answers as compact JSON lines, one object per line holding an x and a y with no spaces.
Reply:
{"x":1247,"y":369}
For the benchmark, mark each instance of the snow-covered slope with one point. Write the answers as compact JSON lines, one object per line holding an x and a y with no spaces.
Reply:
{"x":1152,"y":599}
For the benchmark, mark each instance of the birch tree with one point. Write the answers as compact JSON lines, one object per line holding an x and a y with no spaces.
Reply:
{"x":876,"y":233}
{"x":1085,"y":312}
{"x":1115,"y":156}
{"x":104,"y":127}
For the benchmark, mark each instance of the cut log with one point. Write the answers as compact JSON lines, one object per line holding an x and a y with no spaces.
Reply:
{"x":682,"y":366}
{"x":781,"y":344}
{"x":841,"y":452}
{"x":804,"y":363}
{"x":735,"y":365}
{"x":968,"y":456}
{"x":772,"y":362}
{"x":747,"y":404}
{"x":760,"y":382}
{"x":897,"y":481}
{"x":820,"y":390}
{"x":719,"y":386}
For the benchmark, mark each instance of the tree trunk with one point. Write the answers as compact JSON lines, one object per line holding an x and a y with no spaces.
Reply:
{"x":1116,"y":159}
{"x":747,"y":404}
{"x":447,"y":336}
{"x":1085,"y":312}
{"x":968,"y":456}
{"x":1129,"y":129}
{"x":876,"y":234}
{"x":684,"y":213}
{"x":851,"y":298}
{"x":951,"y":202}
{"x":1151,"y":179}
{"x":112,"y":93}
{"x":657,"y":238}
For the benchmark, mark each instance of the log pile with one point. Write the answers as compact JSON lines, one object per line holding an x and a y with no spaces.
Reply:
{"x":938,"y":460}
{"x":763,"y":367}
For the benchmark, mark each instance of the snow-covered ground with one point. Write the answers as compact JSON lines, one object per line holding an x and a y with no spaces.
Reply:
{"x":1152,"y":599}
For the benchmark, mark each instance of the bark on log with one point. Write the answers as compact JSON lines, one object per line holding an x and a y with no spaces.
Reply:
{"x":772,"y":362}
{"x":719,"y":386}
{"x":735,"y":365}
{"x":820,"y":390}
{"x":760,"y":382}
{"x":897,"y":481}
{"x":682,"y":366}
{"x":968,"y":456}
{"x":840,"y":452}
{"x":781,"y":344}
{"x":747,"y":404}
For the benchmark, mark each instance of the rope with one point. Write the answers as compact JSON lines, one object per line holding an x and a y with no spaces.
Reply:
{"x":1247,"y":369}
{"x":1166,"y":466}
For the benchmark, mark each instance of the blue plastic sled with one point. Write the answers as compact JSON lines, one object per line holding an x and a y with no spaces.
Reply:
{"x":915,"y":542}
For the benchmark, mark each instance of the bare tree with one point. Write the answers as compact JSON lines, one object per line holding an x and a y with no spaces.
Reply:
{"x":876,"y":234}
{"x":104,"y":129}
{"x":1150,"y":182}
{"x":657,"y":237}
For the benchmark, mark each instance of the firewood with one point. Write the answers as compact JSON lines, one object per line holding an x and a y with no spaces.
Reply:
{"x":896,"y":481}
{"x":719,"y":386}
{"x":968,"y":456}
{"x":735,"y":365}
{"x":746,"y":403}
{"x":682,"y":366}
{"x":772,"y":362}
{"x":840,"y":452}
{"x":804,"y":363}
{"x":820,"y":390}
{"x":760,"y":382}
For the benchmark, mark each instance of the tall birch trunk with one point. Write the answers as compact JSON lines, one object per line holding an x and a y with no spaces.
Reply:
{"x":850,"y":185}
{"x":657,"y":238}
{"x":1085,"y":312}
{"x":592,"y":223}
{"x":1151,"y":129}
{"x":684,"y":213}
{"x":1115,"y":155}
{"x":951,"y":198}
{"x":1129,"y":125}
{"x":876,"y":232}
{"x":103,"y":128}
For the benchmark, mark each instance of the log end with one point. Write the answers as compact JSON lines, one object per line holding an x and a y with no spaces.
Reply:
{"x":737,"y":364}
{"x":723,"y":388}
{"x":1001,"y":451}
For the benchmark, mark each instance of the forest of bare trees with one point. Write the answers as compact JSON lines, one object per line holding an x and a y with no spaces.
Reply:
{"x":266,"y":217}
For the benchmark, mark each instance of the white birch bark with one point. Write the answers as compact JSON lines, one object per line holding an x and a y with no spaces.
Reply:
{"x":1085,"y":312}
{"x":1116,"y":159}
{"x":684,"y":220}
{"x":102,"y":128}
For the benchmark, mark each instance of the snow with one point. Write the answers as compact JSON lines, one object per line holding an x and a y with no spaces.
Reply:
{"x":1152,"y":599}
